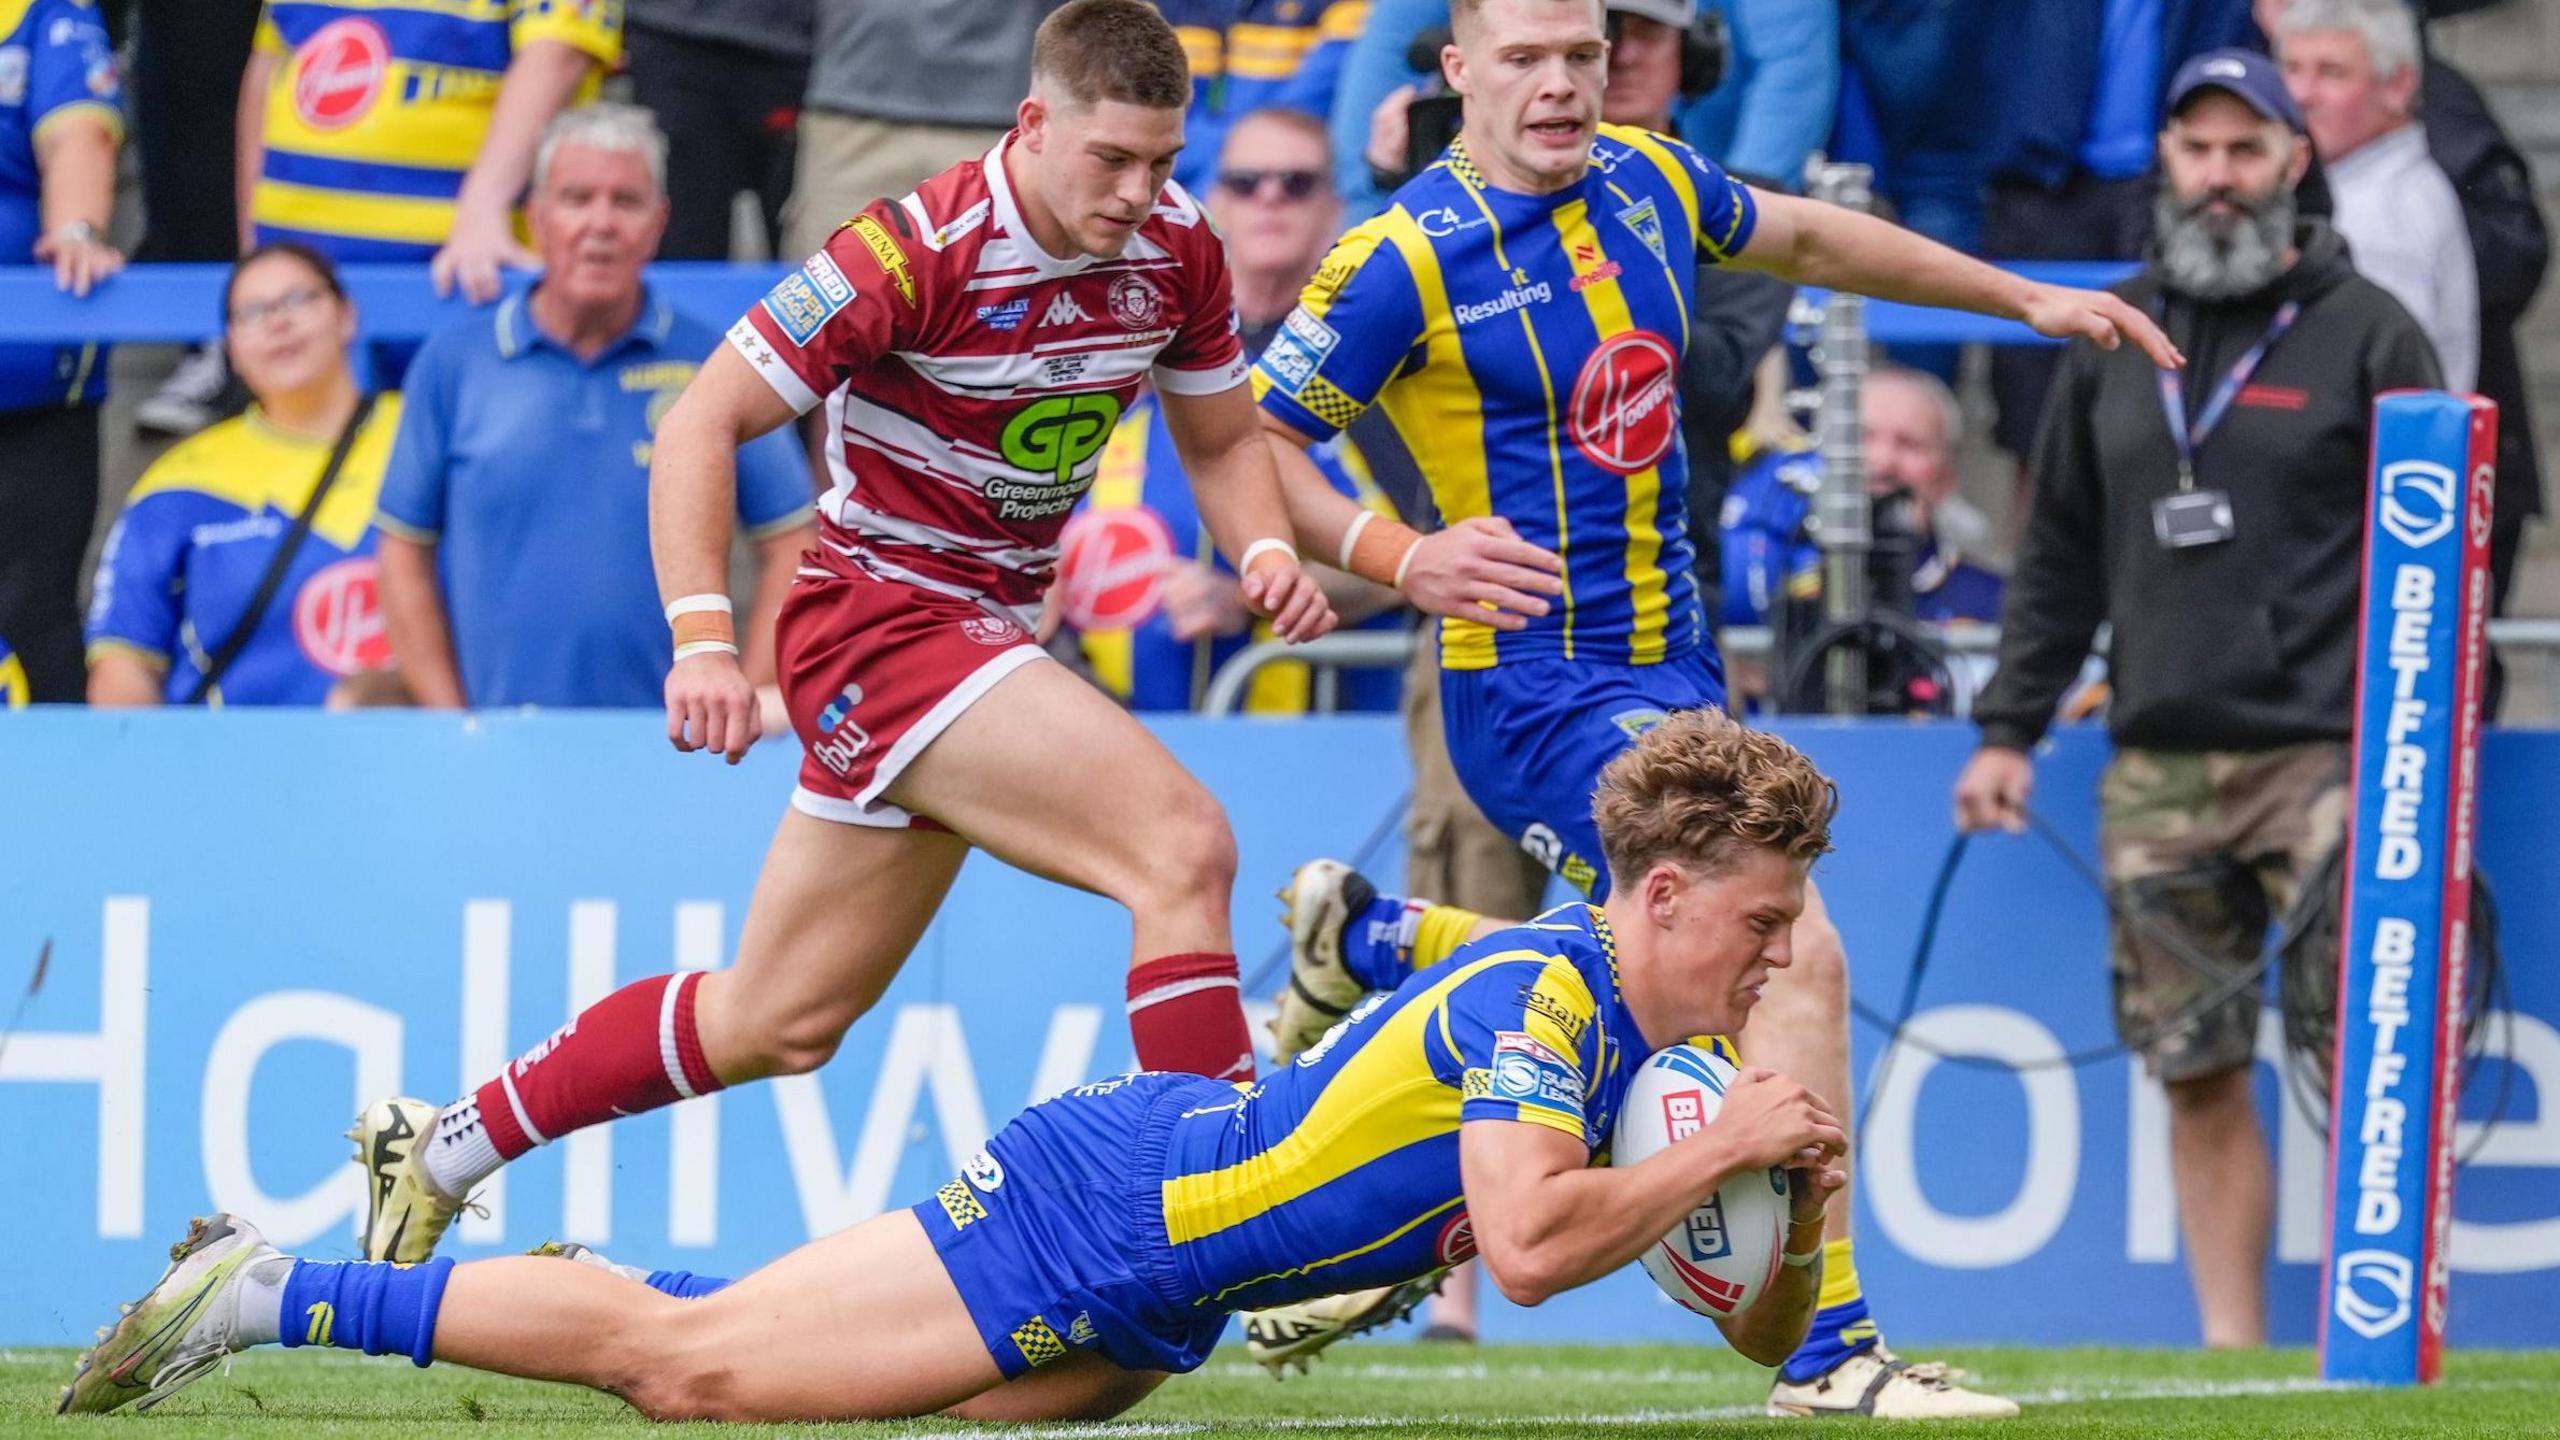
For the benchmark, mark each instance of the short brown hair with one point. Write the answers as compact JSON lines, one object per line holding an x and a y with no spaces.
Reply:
{"x":1124,"y":50}
{"x":1700,"y":789}
{"x":1463,"y":14}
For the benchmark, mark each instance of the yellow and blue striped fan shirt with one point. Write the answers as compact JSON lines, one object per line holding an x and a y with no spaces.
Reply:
{"x":376,"y":108}
{"x":1528,"y":348}
{"x":1341,"y":1171}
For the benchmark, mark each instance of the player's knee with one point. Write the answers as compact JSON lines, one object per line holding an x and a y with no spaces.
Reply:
{"x":801,"y":1043}
{"x":1191,"y":854}
{"x":674,"y":1375}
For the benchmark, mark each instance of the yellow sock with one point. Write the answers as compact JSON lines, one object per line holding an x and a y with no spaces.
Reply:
{"x":1839,"y":1275}
{"x":1439,"y":933}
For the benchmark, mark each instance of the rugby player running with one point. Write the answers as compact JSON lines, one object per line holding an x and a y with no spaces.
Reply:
{"x":973,"y":344}
{"x":1520,"y":310}
{"x":1101,"y":1240}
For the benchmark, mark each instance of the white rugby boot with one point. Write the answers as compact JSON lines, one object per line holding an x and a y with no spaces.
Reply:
{"x":1876,"y":1382}
{"x":1293,"y":1334}
{"x":185,"y":1325}
{"x":1320,"y":899}
{"x":405,"y":1214}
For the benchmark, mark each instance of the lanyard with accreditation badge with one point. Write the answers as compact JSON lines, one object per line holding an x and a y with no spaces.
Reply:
{"x":2193,"y":517}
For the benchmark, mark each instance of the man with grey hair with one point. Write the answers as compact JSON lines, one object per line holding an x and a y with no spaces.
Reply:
{"x":2352,"y":66}
{"x":515,"y":511}
{"x":2216,"y":522}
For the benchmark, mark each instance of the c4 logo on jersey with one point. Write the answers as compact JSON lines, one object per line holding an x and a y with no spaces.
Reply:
{"x":1059,"y":433}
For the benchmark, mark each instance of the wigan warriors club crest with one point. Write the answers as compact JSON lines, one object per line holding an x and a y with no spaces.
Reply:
{"x":1135,"y":303}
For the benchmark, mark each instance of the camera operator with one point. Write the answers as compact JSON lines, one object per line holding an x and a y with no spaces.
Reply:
{"x":2216,"y":518}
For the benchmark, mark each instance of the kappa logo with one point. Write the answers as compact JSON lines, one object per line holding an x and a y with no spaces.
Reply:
{"x":1065,"y":311}
{"x":2373,"y":1292}
{"x":2417,"y":502}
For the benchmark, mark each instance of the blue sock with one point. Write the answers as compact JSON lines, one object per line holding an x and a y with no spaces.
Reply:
{"x":1839,"y":1331}
{"x":372,"y":1306}
{"x":685,"y":1285}
{"x":1374,"y":943}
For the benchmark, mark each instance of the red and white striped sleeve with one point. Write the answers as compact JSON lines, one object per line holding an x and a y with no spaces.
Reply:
{"x":849,"y":304}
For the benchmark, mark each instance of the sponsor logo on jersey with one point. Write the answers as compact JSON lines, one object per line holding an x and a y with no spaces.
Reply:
{"x":1444,"y":221}
{"x":1526,"y":1071}
{"x":970,"y":219}
{"x":1519,"y":295}
{"x":798,"y":308}
{"x":1636,"y":724}
{"x":884,"y":250}
{"x":1625,"y":411}
{"x":984,"y":1171}
{"x":1007,"y":316}
{"x":1590,"y":267}
{"x":836,"y":290}
{"x":1111,"y":569}
{"x":13,"y":74}
{"x":1135,"y":302}
{"x":1064,"y":311}
{"x":843,"y":740}
{"x":1058,"y":433}
{"x":1298,"y":351}
{"x":337,"y":618}
{"x":1538,"y":1002}
{"x":1457,"y":1242}
{"x":339,"y":72}
{"x":1646,"y":222}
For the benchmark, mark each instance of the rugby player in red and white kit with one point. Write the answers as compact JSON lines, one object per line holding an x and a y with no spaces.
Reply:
{"x":973,"y":344}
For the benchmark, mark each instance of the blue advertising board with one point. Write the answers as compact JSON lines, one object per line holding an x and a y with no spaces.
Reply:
{"x":259,"y":921}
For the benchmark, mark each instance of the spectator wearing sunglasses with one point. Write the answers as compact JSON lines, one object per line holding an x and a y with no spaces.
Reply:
{"x":1155,"y":644}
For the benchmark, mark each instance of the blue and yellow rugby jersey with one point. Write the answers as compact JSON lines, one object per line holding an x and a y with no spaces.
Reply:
{"x":1249,"y":55}
{"x":55,"y":64}
{"x":196,"y":536}
{"x":1341,"y":1171}
{"x":15,"y":694}
{"x":1143,"y":665}
{"x":1528,"y":348}
{"x":376,"y":109}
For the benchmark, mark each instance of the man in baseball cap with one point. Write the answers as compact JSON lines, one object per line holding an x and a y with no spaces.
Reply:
{"x":2244,"y":75}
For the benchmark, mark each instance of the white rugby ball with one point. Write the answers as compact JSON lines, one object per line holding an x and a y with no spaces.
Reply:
{"x":1726,"y":1254}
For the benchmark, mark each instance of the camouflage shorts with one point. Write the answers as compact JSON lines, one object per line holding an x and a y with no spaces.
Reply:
{"x":2212,"y":847}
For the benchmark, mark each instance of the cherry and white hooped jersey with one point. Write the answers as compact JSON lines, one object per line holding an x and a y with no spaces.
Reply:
{"x":971,"y":379}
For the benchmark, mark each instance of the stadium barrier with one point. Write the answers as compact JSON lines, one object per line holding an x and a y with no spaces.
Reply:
{"x":257,"y":921}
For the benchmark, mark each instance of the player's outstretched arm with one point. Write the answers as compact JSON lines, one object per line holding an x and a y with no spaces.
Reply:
{"x":1813,"y":243}
{"x":1232,"y":477}
{"x":1545,"y":1223}
{"x":693,"y":485}
{"x":1476,"y":569}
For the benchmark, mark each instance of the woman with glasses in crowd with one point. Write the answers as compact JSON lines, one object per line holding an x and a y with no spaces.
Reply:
{"x":242,"y":569}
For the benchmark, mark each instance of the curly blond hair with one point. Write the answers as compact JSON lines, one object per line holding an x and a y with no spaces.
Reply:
{"x":1700,"y":790}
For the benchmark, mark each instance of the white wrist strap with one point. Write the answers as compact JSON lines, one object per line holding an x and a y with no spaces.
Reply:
{"x":1351,"y":537}
{"x":1407,"y":562}
{"x":696,"y":604}
{"x":1799,"y":1262}
{"x":1252,"y":552}
{"x":704,"y":647}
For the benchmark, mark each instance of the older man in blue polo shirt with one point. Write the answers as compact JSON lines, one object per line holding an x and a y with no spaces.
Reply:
{"x":515,"y":513}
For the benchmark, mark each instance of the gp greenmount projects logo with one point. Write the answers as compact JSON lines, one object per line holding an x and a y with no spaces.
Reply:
{"x":1054,"y":436}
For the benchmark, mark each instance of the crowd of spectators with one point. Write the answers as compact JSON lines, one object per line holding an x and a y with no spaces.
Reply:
{"x":500,"y":469}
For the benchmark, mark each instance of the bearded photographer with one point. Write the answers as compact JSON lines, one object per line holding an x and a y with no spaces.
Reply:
{"x":2215,"y":517}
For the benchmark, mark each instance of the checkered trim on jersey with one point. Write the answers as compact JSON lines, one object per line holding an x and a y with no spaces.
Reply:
{"x":960,"y":1204}
{"x":1038,"y":1343}
{"x":1326,"y":402}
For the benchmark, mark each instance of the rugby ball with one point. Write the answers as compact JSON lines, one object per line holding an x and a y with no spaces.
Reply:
{"x":1726,"y":1254}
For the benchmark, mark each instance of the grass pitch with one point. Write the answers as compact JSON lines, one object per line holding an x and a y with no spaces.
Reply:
{"x":1394,"y":1391}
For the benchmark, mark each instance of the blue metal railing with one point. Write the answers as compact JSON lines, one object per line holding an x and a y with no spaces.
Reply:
{"x":174,"y":303}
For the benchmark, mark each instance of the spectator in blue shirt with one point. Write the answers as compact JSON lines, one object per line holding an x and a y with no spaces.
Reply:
{"x":1781,"y":89}
{"x":60,"y":126}
{"x":515,"y":513}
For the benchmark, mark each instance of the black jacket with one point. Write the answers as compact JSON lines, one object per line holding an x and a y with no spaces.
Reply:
{"x":2512,"y":249}
{"x":2243,"y":645}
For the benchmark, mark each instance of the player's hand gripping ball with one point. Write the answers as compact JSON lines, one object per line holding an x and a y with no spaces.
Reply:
{"x":1726,"y":1254}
